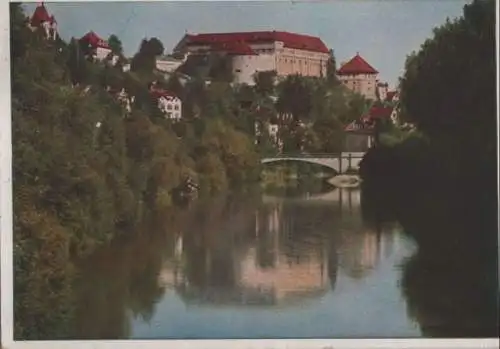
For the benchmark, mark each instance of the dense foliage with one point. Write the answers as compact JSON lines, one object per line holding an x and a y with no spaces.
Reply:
{"x":449,"y":87}
{"x":440,"y":183}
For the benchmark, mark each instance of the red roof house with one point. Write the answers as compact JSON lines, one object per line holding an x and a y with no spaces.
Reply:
{"x":367,"y":121}
{"x":40,"y":15}
{"x":290,"y":40}
{"x":158,"y":93}
{"x":379,"y":113}
{"x":357,"y":65}
{"x":94,"y":40}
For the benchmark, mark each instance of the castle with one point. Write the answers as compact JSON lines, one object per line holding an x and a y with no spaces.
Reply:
{"x":252,"y":52}
{"x":41,"y":20}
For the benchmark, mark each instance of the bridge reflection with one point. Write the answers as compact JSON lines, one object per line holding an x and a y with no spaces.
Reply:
{"x":286,"y":251}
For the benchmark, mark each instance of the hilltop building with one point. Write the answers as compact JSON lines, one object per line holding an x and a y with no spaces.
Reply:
{"x":252,"y":52}
{"x":167,"y":64}
{"x":168,"y":102}
{"x":99,"y":47}
{"x":43,"y":21}
{"x":359,"y":76}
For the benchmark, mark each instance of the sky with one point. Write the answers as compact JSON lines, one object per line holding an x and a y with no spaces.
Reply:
{"x":384,"y":32}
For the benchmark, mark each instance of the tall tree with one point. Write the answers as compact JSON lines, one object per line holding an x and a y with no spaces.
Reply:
{"x":115,"y":44}
{"x":449,"y":87}
{"x":295,"y":97}
{"x":264,"y":82}
{"x":144,"y":61}
{"x":331,"y":69}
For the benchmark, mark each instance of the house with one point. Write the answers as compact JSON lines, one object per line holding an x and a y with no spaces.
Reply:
{"x":272,"y":130}
{"x":252,"y":52}
{"x":360,"y":134}
{"x":99,"y":47}
{"x":359,"y":76}
{"x":43,"y":21}
{"x":168,"y":102}
{"x":392,"y":96}
{"x":168,"y":64}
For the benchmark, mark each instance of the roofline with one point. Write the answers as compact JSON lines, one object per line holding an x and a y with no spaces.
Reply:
{"x":358,"y":72}
{"x":187,"y":36}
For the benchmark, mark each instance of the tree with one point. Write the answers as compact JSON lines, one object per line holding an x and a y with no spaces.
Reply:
{"x":330,"y":135}
{"x":144,"y":61}
{"x":115,"y":44}
{"x":449,"y":88}
{"x":264,"y":82}
{"x":295,"y":97}
{"x":331,"y":70}
{"x":357,"y":105}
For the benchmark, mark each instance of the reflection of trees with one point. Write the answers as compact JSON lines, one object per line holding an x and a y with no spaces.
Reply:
{"x":119,"y":279}
{"x":452,"y":289}
{"x":451,"y":283}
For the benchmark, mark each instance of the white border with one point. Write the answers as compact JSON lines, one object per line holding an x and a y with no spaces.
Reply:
{"x":7,"y":341}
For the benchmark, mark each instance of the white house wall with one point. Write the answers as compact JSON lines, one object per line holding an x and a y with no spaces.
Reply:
{"x":245,"y":67}
{"x":102,"y":53}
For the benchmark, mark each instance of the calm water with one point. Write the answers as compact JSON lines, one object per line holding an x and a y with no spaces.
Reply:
{"x":252,"y":267}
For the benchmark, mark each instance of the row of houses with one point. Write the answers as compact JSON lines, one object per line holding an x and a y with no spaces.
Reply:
{"x":100,"y":50}
{"x":249,"y":53}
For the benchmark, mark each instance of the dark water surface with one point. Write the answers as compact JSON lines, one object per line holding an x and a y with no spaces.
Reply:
{"x":252,"y":266}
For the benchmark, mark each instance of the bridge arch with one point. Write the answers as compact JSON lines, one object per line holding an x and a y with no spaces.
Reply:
{"x":339,"y":163}
{"x":333,"y":165}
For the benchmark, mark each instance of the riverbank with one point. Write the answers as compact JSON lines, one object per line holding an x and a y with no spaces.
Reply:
{"x":88,"y":171}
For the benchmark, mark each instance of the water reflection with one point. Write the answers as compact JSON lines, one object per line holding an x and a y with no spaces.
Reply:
{"x":300,"y":255}
{"x":451,"y":282}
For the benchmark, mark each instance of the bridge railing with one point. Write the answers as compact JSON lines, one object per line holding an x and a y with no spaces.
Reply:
{"x":315,"y":155}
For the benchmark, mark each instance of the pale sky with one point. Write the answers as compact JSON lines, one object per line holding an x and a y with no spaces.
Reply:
{"x":382,"y":31}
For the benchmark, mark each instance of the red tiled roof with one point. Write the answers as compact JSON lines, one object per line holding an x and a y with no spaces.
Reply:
{"x":234,"y":48}
{"x":357,"y":65}
{"x":94,"y":40}
{"x":376,"y":112}
{"x":290,"y":40}
{"x":157,"y":93}
{"x":40,"y":15}
{"x":366,"y":122}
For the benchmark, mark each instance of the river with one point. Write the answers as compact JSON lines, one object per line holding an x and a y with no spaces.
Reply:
{"x":252,"y":266}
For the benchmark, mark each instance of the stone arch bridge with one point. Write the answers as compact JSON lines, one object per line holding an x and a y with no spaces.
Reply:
{"x":340,"y":162}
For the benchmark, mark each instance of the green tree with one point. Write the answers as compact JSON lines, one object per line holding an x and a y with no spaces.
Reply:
{"x":295,"y":97}
{"x":144,"y":61}
{"x":331,"y":70}
{"x":448,"y":88}
{"x":115,"y":44}
{"x":265,"y":82}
